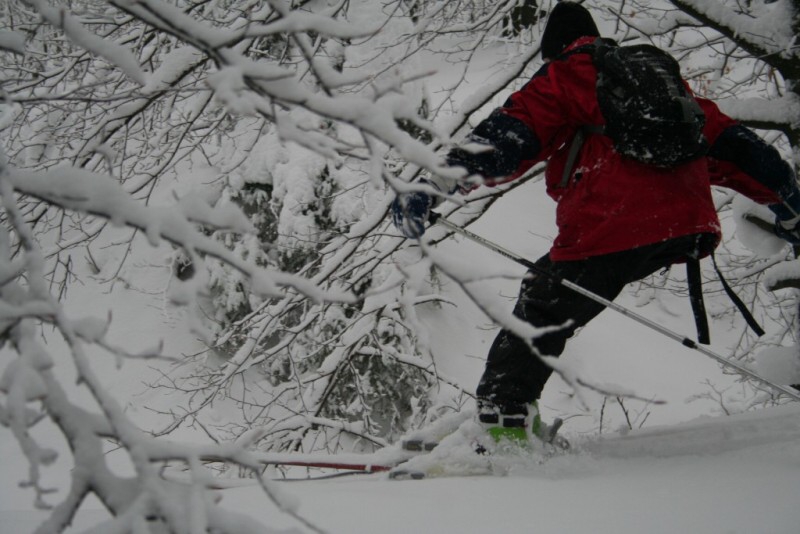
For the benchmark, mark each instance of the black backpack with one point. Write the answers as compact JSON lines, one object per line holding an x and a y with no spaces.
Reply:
{"x":650,"y":116}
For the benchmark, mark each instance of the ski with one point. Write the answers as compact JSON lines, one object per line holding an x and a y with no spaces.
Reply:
{"x":447,"y":447}
{"x":468,"y":451}
{"x":551,"y":437}
{"x":322,"y":464}
{"x":380,"y":461}
{"x":415,"y":443}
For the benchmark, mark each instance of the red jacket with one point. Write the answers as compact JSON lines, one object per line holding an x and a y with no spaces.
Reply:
{"x":616,"y":203}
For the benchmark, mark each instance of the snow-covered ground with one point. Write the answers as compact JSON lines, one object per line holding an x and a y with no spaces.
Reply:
{"x":688,"y":469}
{"x":737,"y":474}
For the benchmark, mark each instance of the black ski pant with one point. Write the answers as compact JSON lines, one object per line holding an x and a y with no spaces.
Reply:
{"x":514,"y":375}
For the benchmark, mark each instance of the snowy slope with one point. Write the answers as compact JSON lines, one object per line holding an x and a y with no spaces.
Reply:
{"x":737,"y":474}
{"x":687,"y":470}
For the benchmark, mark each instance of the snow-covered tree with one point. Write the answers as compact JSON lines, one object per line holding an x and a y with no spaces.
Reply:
{"x":332,"y":375}
{"x":102,"y":103}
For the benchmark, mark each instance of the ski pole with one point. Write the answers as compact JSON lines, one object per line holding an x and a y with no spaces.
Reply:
{"x":437,"y":218}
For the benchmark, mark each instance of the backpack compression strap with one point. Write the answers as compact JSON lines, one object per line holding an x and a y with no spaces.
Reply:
{"x":748,"y":317}
{"x":695,"y":283}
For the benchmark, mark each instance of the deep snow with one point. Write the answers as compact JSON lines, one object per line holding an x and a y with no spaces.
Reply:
{"x":736,"y":474}
{"x":689,"y":469}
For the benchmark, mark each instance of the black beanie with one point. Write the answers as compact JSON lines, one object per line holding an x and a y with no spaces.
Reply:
{"x":567,"y":22}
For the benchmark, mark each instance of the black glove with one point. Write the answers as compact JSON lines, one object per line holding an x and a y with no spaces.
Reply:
{"x":788,"y":230}
{"x":410,"y":212}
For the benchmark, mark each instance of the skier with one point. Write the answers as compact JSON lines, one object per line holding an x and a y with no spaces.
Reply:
{"x":619,"y":220}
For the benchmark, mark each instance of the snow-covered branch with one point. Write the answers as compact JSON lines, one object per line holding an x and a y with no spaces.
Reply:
{"x":767,"y":34}
{"x":777,"y":114}
{"x":92,"y":194}
{"x":147,"y":498}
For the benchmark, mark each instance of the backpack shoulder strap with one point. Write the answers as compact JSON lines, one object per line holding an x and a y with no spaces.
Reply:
{"x":575,"y":149}
{"x":587,"y":129}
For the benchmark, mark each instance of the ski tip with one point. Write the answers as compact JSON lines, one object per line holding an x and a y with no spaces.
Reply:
{"x":413,"y":445}
{"x":406,"y":474}
{"x":419,"y":445}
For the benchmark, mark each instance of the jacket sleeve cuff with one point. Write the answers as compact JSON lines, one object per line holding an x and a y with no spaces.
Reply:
{"x":501,"y":143}
{"x":790,"y":207}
